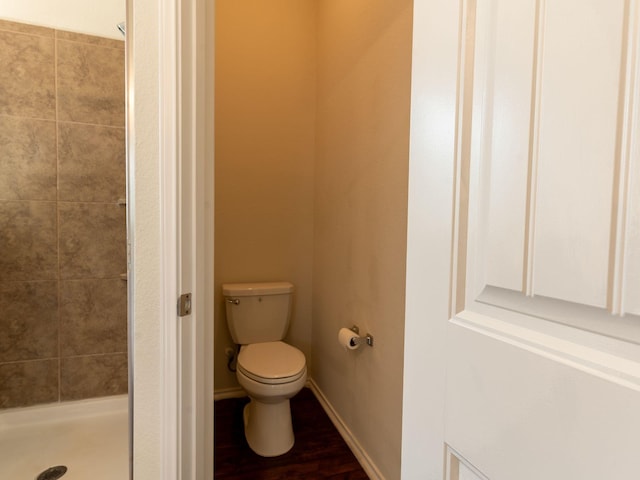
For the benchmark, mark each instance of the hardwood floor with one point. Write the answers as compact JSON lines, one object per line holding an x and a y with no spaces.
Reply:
{"x":319,"y":451}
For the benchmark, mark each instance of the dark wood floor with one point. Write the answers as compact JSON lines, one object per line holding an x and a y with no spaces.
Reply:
{"x":319,"y":451}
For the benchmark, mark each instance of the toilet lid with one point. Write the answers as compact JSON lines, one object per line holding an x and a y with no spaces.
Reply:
{"x":271,"y":362}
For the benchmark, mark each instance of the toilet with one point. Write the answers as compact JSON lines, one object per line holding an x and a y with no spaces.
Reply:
{"x":268,"y":369}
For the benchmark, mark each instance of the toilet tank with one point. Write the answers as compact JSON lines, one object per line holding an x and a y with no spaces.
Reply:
{"x":258,"y":312}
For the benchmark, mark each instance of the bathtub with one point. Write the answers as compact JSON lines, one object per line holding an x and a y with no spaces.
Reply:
{"x":89,"y":437}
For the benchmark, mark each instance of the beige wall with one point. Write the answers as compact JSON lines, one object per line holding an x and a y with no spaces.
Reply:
{"x":265,"y":120}
{"x":302,"y":196}
{"x":364,"y":68}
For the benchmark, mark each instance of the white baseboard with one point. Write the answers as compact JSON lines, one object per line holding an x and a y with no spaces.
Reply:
{"x":361,"y":455}
{"x":224,"y":393}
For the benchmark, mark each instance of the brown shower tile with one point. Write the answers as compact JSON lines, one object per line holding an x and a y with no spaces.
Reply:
{"x":27,"y":76}
{"x":91,"y":163}
{"x":28,"y":243}
{"x":16,"y":27}
{"x":90,"y":39}
{"x":90,"y":84}
{"x":27,"y":159}
{"x":28,"y":383}
{"x":92,"y":240}
{"x":28,"y":321}
{"x":93,"y":317}
{"x":93,"y":376}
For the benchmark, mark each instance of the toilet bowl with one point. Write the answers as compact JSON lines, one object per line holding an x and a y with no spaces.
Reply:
{"x":269,"y":370}
{"x":271,"y":373}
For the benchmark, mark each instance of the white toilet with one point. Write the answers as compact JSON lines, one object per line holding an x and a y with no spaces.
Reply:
{"x":269,"y":370}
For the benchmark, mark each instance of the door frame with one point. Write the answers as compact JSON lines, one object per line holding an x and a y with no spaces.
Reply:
{"x":436,"y":27}
{"x":171,"y":360}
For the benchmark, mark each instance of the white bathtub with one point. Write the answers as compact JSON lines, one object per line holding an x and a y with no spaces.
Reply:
{"x":89,"y":437}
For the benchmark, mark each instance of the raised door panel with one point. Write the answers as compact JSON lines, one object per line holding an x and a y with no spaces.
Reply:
{"x":631,"y":221}
{"x":548,"y":153}
{"x":500,"y":154}
{"x":578,"y":132}
{"x":632,"y":280}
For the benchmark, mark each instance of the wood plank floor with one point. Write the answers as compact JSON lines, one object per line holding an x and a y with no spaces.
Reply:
{"x":319,"y":451}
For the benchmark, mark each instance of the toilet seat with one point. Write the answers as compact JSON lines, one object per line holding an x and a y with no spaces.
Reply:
{"x":271,"y":363}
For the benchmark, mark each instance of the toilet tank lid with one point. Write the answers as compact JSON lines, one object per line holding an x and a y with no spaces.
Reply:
{"x":249,"y":289}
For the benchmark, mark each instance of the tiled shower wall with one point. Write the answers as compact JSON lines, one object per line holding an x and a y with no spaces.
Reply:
{"x":63,"y":305}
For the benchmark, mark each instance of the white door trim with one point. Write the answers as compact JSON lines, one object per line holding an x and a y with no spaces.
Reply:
{"x":187,"y":246}
{"x":195,"y":238}
{"x":183,"y":42}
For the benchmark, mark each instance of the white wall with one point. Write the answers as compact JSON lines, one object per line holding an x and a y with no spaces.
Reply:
{"x":81,"y":16}
{"x":147,"y":345}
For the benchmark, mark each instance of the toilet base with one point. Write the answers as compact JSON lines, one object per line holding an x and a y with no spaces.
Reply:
{"x":267,"y":427}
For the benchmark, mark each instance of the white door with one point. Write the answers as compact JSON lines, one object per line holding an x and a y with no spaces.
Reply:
{"x":523,"y":279}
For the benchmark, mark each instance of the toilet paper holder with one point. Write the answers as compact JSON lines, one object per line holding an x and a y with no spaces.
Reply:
{"x":368,"y":338}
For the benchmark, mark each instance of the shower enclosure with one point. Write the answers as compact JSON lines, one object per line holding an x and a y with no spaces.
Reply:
{"x":63,"y":292}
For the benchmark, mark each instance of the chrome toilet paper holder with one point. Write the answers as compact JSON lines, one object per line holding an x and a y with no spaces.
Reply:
{"x":368,"y":338}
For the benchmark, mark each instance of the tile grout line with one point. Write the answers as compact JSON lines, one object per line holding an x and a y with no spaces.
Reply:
{"x":69,"y":122}
{"x":87,"y":124}
{"x":96,"y":44}
{"x":76,"y":355}
{"x":55,"y":73}
{"x":31,"y":34}
{"x":25,"y":117}
{"x":70,"y":279}
{"x":54,"y":35}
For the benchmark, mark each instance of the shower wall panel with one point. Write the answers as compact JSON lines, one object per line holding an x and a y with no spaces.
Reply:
{"x":63,"y":325}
